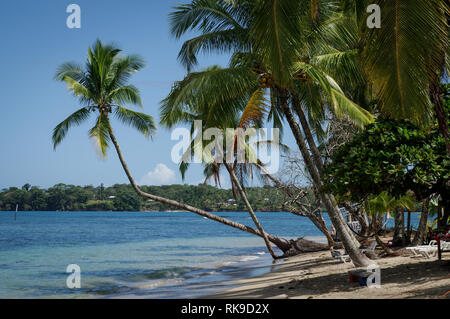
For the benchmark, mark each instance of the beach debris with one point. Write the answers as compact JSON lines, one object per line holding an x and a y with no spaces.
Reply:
{"x":302,"y":245}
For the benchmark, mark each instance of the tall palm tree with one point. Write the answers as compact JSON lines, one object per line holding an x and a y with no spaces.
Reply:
{"x":277,"y":34}
{"x":216,"y":112}
{"x":102,"y":88}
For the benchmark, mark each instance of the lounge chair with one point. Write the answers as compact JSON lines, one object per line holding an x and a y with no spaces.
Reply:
{"x":430,"y":250}
{"x":371,"y":248}
{"x":338,"y":255}
{"x":416,"y":249}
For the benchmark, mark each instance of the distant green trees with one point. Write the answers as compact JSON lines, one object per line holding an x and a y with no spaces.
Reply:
{"x":62,"y":197}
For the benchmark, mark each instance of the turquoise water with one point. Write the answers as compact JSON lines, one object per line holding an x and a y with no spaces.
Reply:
{"x":157,"y":255}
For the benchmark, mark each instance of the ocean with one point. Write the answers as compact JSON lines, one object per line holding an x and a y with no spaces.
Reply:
{"x":134,"y":254}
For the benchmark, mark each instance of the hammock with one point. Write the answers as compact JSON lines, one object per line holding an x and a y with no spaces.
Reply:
{"x":363,"y":236}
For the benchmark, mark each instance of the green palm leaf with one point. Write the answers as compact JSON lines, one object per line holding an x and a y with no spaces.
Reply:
{"x":60,"y":131}
{"x":100,"y":133}
{"x":403,"y":56}
{"x":142,"y":122}
{"x":127,"y":94}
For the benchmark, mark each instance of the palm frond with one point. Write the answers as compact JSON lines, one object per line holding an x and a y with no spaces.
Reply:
{"x":142,"y":122}
{"x":340,"y":104}
{"x":60,"y":131}
{"x":218,"y":41}
{"x":72,"y":70}
{"x":224,"y":90}
{"x":203,"y":15}
{"x":404,"y":55}
{"x":78,"y":90}
{"x":128,"y":94}
{"x":275,"y":31}
{"x":100,"y":134}
{"x":254,"y":111}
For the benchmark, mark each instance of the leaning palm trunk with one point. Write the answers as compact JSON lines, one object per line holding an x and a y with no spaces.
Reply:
{"x":316,"y":154}
{"x":350,"y":243}
{"x":308,"y":134}
{"x":421,"y":231}
{"x":317,"y":221}
{"x":250,"y":209}
{"x":283,"y":244}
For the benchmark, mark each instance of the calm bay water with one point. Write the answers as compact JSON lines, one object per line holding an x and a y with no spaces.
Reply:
{"x":157,"y":255}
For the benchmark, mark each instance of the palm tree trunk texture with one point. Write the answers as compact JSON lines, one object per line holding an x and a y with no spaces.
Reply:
{"x":250,"y":209}
{"x":399,"y":228}
{"x":283,"y":244}
{"x":315,"y":152}
{"x":309,"y":136}
{"x":408,"y":228}
{"x":421,"y":231}
{"x":349,"y":241}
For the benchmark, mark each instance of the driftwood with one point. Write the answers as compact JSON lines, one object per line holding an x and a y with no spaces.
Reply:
{"x":301,"y":246}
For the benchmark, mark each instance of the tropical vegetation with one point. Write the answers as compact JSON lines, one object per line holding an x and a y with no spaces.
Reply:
{"x":300,"y":65}
{"x":122,"y":197}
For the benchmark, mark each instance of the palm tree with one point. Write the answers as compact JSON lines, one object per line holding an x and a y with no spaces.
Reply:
{"x":407,"y":58}
{"x":102,"y":88}
{"x":381,"y":205}
{"x":276,"y":35}
{"x":188,"y":108}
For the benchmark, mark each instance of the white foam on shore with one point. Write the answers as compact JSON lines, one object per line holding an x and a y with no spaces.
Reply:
{"x":249,"y":258}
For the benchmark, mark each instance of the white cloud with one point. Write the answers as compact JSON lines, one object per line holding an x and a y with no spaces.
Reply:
{"x":161,"y":175}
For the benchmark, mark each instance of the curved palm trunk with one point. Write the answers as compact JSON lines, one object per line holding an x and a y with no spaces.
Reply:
{"x":250,"y":210}
{"x":318,"y":222}
{"x":283,"y":244}
{"x":308,"y":134}
{"x":315,"y":153}
{"x":349,"y":241}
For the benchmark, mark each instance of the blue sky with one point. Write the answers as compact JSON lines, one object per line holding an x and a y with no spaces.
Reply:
{"x":35,"y":40}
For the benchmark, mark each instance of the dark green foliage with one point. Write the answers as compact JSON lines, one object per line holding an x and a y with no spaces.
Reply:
{"x":63,"y":197}
{"x":392,"y":156}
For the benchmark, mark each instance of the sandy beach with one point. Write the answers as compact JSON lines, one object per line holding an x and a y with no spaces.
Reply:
{"x":318,"y":276}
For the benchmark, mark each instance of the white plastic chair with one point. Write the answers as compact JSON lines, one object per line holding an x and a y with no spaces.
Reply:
{"x":338,"y":255}
{"x":430,"y":250}
{"x":371,"y":248}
